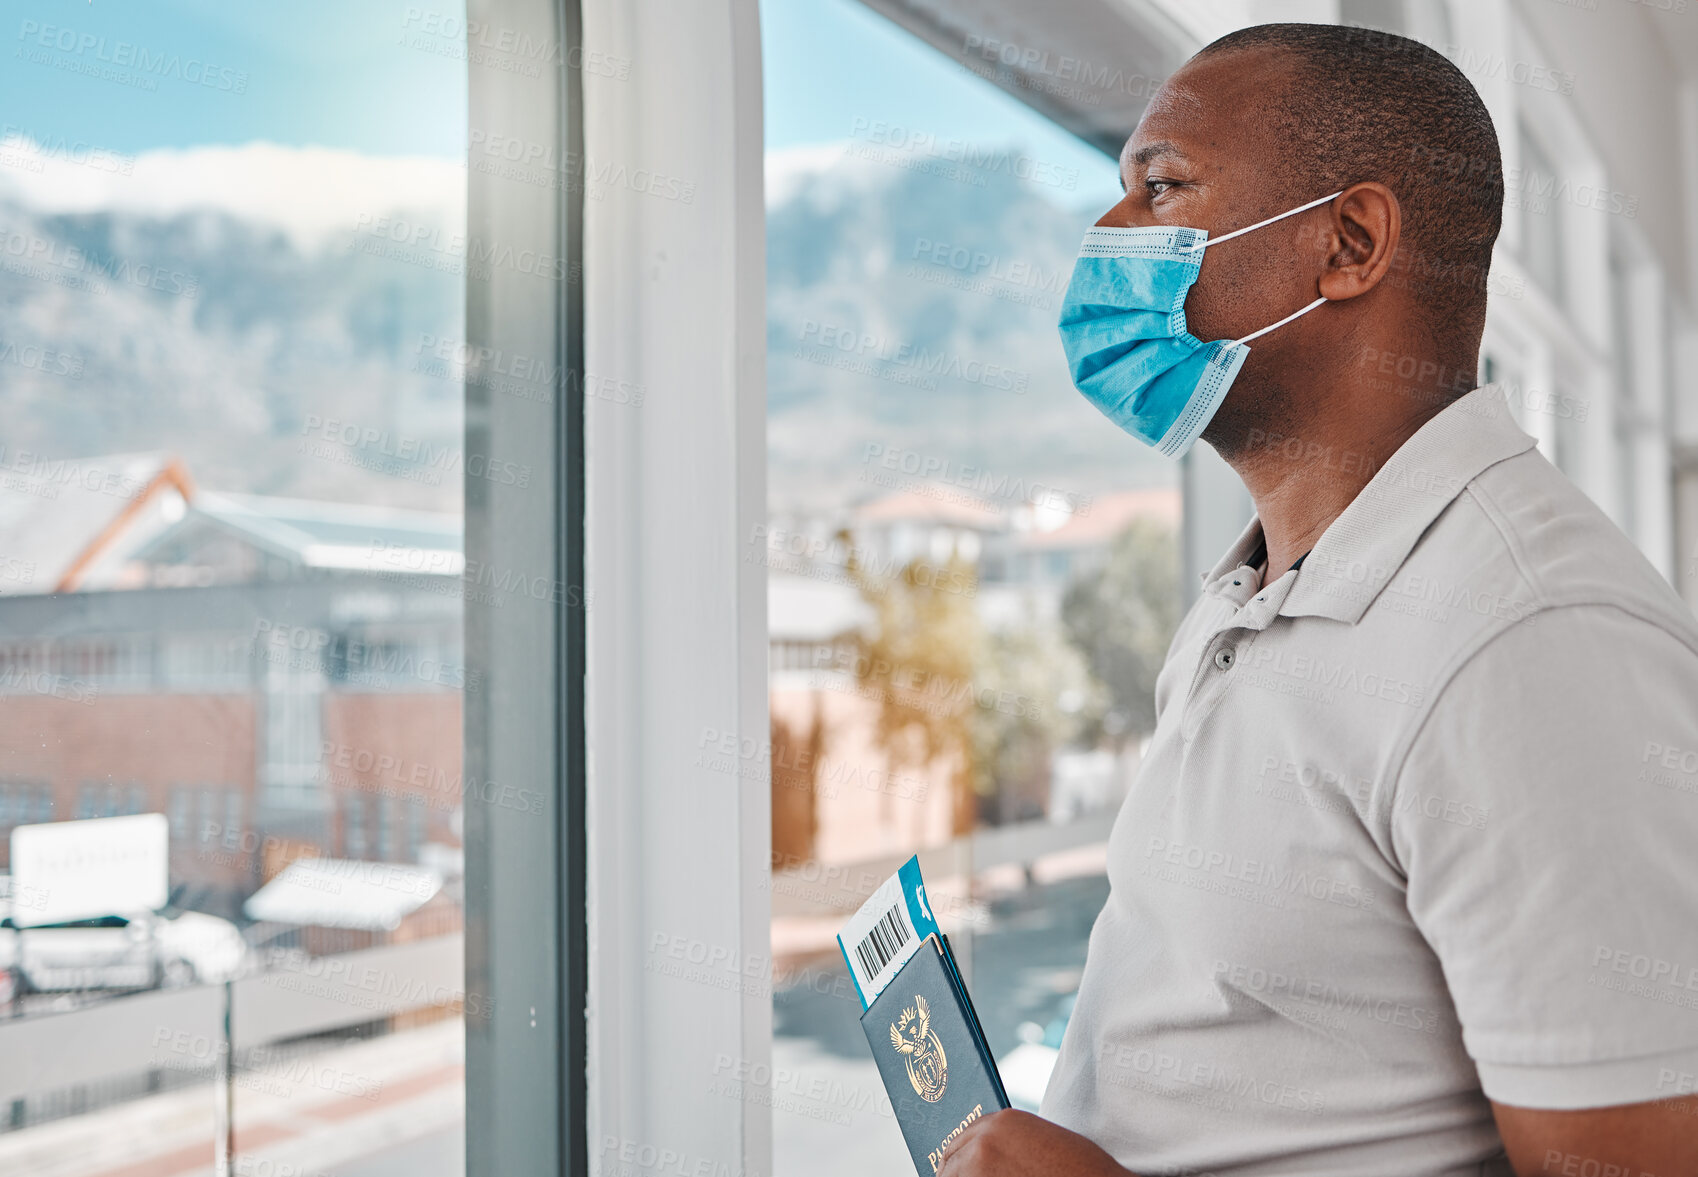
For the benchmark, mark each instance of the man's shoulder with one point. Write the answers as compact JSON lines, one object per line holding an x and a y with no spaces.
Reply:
{"x":1531,"y":541}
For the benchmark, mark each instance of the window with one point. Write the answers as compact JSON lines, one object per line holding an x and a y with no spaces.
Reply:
{"x":345,"y":611}
{"x":231,"y":545}
{"x":180,"y":806}
{"x":950,"y":515}
{"x":354,"y":827}
{"x":389,"y":830}
{"x":1536,"y":194}
{"x":210,"y":800}
{"x":414,"y":815}
{"x":1627,"y":430}
{"x":206,"y":662}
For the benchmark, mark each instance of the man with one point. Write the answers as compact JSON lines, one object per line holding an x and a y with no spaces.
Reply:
{"x":1408,"y":882}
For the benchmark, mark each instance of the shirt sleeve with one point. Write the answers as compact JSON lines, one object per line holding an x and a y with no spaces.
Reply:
{"x":1546,"y":818}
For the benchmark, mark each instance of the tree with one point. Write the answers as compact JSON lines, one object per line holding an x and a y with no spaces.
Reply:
{"x":919,"y":666}
{"x":1033,"y":691}
{"x":1121,"y":617}
{"x":796,"y":752}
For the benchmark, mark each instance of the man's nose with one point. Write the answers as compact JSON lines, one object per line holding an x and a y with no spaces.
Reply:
{"x":1118,"y":217}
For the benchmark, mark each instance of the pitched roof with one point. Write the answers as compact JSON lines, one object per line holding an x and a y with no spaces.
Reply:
{"x":1105,"y":517}
{"x":320,"y":534}
{"x":62,"y":520}
{"x":77,"y":524}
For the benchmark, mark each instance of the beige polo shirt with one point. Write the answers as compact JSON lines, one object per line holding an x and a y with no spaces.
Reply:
{"x":1418,"y":826}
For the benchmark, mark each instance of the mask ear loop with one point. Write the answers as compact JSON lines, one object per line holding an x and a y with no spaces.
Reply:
{"x":1251,"y":228}
{"x":1258,"y":224}
{"x":1281,"y":323}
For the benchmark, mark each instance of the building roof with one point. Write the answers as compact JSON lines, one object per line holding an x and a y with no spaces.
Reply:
{"x":343,"y":893}
{"x":318,"y":534}
{"x":64,"y":521}
{"x":935,"y":503}
{"x":82,"y":524}
{"x":1104,"y":518}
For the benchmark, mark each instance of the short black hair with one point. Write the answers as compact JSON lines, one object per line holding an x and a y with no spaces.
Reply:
{"x":1371,"y":105}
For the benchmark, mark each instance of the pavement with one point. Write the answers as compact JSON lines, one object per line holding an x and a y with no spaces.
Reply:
{"x":386,"y":1106}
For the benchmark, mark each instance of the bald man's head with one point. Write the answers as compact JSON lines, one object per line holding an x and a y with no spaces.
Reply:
{"x":1358,"y":104}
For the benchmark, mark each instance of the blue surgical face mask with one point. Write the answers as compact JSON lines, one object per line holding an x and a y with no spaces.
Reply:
{"x":1123,"y":326}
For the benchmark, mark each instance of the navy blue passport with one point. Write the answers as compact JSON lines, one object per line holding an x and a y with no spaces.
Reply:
{"x":931,"y":1054}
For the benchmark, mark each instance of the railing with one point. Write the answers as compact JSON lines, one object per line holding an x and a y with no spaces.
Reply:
{"x":816,"y":888}
{"x":185,"y":1029}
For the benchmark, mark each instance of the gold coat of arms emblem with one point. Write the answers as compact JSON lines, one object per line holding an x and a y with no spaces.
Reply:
{"x":912,"y":1036}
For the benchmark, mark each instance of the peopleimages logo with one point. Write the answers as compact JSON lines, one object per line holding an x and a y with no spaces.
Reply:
{"x":39,"y":257}
{"x":1644,"y":967}
{"x":28,"y":149}
{"x":919,"y":470}
{"x":869,"y":353}
{"x":125,"y":55}
{"x":916,"y":144}
{"x":41,"y":359}
{"x":1033,"y":61}
{"x":373,"y":445}
{"x":380,"y":231}
{"x":1270,"y":876}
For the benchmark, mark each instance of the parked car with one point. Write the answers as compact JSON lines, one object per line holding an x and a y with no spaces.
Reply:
{"x":142,"y":950}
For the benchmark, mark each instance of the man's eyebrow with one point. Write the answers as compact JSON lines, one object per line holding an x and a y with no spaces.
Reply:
{"x":1148,"y":152}
{"x":1155,"y":150}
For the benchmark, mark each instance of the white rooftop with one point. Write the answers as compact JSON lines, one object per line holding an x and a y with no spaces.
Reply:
{"x":343,"y":893}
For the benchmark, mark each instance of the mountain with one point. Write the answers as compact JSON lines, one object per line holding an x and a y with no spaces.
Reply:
{"x":235,"y":306}
{"x":224,"y":305}
{"x":911,"y":309}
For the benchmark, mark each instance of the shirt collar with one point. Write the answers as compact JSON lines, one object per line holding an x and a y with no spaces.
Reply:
{"x":1362,"y":550}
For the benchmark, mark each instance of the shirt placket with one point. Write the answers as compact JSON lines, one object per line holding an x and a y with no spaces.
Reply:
{"x":1256,"y":607}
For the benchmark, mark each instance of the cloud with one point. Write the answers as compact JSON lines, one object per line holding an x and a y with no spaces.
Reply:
{"x":791,"y":170}
{"x":312,"y":193}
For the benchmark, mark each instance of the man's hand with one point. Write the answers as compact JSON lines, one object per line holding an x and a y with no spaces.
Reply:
{"x":1011,"y":1143}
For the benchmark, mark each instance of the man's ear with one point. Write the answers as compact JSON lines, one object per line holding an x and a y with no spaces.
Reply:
{"x":1361,"y":240}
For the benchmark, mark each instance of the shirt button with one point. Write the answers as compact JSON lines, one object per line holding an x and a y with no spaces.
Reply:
{"x":1223,"y":659}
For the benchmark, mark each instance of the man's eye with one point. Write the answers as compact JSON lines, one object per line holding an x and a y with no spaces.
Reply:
{"x":1157,"y":187}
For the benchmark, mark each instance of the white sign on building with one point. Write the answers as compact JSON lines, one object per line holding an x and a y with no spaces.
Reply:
{"x":78,"y":870}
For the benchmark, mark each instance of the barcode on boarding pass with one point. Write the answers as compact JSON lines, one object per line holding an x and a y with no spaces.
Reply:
{"x":886,"y":930}
{"x":883,"y":943}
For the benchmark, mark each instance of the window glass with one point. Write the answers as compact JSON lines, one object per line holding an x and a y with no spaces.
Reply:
{"x":1541,"y":219}
{"x":232,"y":266}
{"x":972,"y":574}
{"x":1625,"y":437}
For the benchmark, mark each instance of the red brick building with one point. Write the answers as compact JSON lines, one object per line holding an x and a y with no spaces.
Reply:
{"x":269,"y":673}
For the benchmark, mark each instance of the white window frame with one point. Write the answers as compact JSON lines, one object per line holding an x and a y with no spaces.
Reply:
{"x":674,"y":289}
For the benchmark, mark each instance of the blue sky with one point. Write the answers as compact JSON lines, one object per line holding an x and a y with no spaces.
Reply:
{"x":829,"y":62}
{"x":384,"y":77}
{"x":355,"y":74}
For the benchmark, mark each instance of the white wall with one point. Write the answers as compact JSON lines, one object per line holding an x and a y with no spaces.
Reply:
{"x":1625,"y":90}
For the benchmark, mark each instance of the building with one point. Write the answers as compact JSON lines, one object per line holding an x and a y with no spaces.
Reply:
{"x":839,"y":794}
{"x":272,"y":674}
